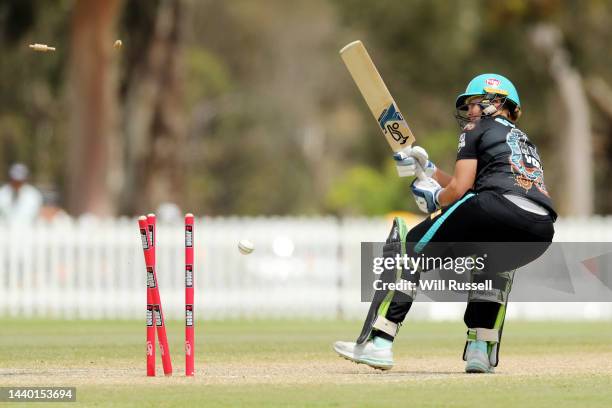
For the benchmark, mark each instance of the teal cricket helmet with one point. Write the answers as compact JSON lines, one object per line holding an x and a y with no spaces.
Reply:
{"x":489,"y":84}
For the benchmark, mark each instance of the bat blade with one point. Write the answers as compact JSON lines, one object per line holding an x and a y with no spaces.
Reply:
{"x":373,"y":89}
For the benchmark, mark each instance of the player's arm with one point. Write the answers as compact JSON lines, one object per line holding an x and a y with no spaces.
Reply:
{"x":442,"y":177}
{"x":465,"y":167}
{"x":461,"y":181}
{"x":430,"y":194}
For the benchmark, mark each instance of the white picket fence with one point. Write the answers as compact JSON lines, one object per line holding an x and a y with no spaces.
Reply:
{"x":301,"y":268}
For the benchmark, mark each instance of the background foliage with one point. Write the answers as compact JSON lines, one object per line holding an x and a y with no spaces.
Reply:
{"x":257,"y":114}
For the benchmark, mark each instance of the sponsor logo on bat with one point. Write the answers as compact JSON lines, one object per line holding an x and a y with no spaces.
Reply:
{"x":388,"y":121}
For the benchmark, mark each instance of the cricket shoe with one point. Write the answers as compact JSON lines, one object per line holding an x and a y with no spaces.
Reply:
{"x":477,"y":358}
{"x":376,"y":356}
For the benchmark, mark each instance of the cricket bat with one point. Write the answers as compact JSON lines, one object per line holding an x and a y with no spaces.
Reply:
{"x":377,"y":96}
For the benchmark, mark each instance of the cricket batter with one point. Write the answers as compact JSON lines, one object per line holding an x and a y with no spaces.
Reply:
{"x":496,"y":194}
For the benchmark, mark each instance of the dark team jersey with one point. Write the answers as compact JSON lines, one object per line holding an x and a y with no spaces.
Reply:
{"x":508,"y":162}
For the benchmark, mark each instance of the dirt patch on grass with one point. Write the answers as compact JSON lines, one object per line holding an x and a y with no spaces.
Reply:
{"x":329,"y":371}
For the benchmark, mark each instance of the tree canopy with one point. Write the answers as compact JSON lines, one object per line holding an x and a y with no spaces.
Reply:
{"x":244,"y":107}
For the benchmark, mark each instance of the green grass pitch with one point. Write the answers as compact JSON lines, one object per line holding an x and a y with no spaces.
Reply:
{"x":291,"y":363}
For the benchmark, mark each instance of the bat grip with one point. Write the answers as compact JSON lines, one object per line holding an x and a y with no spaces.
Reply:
{"x":420,"y":173}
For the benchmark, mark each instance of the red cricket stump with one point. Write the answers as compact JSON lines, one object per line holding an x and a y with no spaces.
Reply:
{"x":189,"y":282}
{"x":150,"y":338}
{"x":142,"y":223}
{"x":150,"y":261}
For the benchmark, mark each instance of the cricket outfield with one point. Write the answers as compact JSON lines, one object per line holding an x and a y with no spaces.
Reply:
{"x":291,"y":363}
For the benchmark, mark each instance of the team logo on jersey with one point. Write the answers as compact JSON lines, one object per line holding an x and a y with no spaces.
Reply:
{"x":525,"y":162}
{"x":469,"y":126}
{"x":461,"y":142}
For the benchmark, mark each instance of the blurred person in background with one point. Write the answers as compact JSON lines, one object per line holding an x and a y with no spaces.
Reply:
{"x":51,"y":209}
{"x":20,"y":202}
{"x":496,"y":194}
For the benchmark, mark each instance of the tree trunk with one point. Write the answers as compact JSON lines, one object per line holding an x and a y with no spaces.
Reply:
{"x":155,"y":134}
{"x":600,"y":93}
{"x":578,"y":192}
{"x":94,"y":171}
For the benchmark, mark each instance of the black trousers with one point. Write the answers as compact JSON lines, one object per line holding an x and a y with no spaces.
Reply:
{"x":478,"y":217}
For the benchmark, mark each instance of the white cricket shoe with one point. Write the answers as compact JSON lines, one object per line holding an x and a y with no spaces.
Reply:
{"x":477,"y":358}
{"x":366,"y":353}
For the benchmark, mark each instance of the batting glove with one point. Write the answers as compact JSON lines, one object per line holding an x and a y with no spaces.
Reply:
{"x":407,"y":161}
{"x":426,"y":192}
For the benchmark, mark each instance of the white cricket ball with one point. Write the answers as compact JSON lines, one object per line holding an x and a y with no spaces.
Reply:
{"x":117,"y":44}
{"x":245,"y":246}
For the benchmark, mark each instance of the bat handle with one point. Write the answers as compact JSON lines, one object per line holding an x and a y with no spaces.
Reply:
{"x":420,"y":173}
